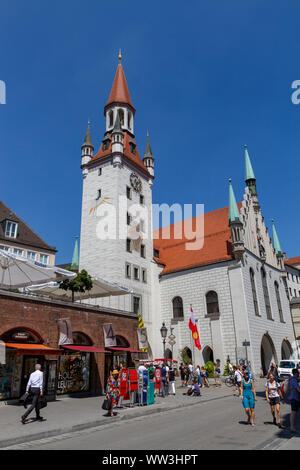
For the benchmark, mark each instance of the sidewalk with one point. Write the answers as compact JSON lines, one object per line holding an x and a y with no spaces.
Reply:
{"x":74,"y":414}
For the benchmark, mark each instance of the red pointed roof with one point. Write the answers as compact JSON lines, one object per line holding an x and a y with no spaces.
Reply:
{"x":119,"y":91}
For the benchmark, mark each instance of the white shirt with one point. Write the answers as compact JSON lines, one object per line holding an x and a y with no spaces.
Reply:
{"x":191,"y":367}
{"x":35,"y":380}
{"x":238,"y":376}
{"x":230,"y":367}
{"x":141,"y":369}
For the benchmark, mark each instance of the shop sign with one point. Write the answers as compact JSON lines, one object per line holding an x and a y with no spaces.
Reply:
{"x":65,"y":331}
{"x":21,"y":336}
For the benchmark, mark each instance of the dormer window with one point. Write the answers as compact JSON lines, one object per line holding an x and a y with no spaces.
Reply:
{"x":105,"y":143}
{"x":11,"y":229}
{"x":132,"y":147}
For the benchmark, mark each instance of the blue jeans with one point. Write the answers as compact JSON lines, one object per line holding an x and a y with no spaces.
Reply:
{"x":199,"y":380}
{"x":163,"y":387}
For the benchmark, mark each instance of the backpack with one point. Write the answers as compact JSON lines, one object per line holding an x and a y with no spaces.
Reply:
{"x":285,"y":390}
{"x":151,"y":374}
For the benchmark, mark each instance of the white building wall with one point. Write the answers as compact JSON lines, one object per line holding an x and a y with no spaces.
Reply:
{"x":192,"y":286}
{"x":260,"y":325}
{"x":107,"y":258}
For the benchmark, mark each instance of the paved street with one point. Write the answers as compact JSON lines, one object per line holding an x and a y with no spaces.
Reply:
{"x":215,"y":423}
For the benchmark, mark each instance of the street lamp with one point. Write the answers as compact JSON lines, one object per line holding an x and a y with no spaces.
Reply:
{"x":164,"y":332}
{"x":171,"y":339}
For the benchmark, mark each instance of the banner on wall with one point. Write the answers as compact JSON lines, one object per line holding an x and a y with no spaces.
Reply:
{"x":65,"y":331}
{"x":110,"y":339}
{"x":143,"y":338}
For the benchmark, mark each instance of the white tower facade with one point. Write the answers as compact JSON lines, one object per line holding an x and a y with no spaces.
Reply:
{"x":116,"y":220}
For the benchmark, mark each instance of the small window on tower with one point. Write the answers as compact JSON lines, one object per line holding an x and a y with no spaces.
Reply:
{"x":128,"y":218}
{"x":100,"y":172}
{"x":128,"y":192}
{"x":132,"y":148}
{"x":111,"y":119}
{"x":121,"y":116}
{"x":98,"y":194}
{"x":143,"y":251}
{"x":128,"y":245}
{"x":142,"y":199}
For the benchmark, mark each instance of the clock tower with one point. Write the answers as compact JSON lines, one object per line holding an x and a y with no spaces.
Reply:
{"x":116,"y":219}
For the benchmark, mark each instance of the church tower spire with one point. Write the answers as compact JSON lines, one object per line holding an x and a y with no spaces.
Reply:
{"x":148,"y":159}
{"x":75,"y":258}
{"x":249,"y":173}
{"x":275,"y":241}
{"x":236,"y":226}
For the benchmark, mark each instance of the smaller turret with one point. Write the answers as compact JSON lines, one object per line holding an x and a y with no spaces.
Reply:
{"x":148,"y":159}
{"x":236,"y":226}
{"x":87,"y":150}
{"x":75,"y":258}
{"x":277,"y":247}
{"x":117,"y":146}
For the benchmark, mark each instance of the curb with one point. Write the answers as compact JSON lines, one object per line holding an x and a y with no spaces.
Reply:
{"x":97,"y":423}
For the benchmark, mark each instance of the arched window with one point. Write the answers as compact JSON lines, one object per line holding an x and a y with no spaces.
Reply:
{"x":129,"y":120}
{"x":278,"y":301}
{"x":254,"y":295}
{"x":177,"y":308}
{"x":266,"y":293}
{"x":81,"y":339}
{"x":212,"y":303}
{"x":111,"y":119}
{"x":121,"y":116}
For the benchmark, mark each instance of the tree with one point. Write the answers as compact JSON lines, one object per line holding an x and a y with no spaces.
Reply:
{"x":81,"y":283}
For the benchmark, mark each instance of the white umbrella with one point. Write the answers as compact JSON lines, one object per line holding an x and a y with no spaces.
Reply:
{"x":17,"y":271}
{"x":101,"y":288}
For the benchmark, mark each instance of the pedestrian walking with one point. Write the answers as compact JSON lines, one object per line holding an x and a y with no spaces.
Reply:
{"x":113,"y":390}
{"x":186,"y":374}
{"x":35,"y":388}
{"x":216,"y":375}
{"x":204,"y":376}
{"x":191,"y":372}
{"x":172,"y":381}
{"x":294,"y":397}
{"x":273,"y":395}
{"x":199,"y":381}
{"x":182,"y":374}
{"x":237,"y":379}
{"x":248,"y":397}
{"x":163,"y":372}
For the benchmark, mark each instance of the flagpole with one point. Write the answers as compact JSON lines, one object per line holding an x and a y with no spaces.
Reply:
{"x":193,"y":346}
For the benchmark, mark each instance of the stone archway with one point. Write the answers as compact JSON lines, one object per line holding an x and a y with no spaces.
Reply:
{"x":286,"y":350}
{"x":267,"y":353}
{"x":207,"y":354}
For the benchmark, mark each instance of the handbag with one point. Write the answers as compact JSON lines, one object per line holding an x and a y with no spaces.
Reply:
{"x":106,"y":405}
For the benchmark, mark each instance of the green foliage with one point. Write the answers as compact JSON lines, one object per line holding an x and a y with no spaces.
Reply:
{"x":226,"y":370}
{"x":184,"y":357}
{"x":209,"y":367}
{"x":81,"y":283}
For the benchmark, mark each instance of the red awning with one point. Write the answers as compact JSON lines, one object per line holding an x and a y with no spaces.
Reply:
{"x":125,"y":349}
{"x":84,"y":348}
{"x":37,"y":348}
{"x":166,"y":360}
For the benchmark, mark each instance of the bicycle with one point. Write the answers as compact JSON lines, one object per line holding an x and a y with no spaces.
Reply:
{"x":229,"y":381}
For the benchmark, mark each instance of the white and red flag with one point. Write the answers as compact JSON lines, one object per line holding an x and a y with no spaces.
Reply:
{"x":194,"y":330}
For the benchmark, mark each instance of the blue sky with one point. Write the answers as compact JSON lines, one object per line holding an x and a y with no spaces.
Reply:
{"x":205,"y":78}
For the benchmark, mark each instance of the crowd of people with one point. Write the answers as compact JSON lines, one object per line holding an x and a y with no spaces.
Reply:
{"x":194,"y":379}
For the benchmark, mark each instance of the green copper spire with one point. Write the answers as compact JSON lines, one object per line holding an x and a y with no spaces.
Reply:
{"x":249,"y":173}
{"x":275,"y":240}
{"x":75,"y":259}
{"x":234,"y":215}
{"x":88,"y":138}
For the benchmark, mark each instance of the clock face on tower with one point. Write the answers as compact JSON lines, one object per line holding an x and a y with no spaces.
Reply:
{"x":136,"y":182}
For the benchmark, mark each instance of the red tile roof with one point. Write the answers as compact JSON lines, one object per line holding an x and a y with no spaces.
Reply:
{"x":134,"y":159}
{"x":119,"y":91}
{"x":217,"y":243}
{"x":293,"y":261}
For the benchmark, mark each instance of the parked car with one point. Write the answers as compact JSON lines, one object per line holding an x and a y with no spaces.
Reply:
{"x":285,"y":368}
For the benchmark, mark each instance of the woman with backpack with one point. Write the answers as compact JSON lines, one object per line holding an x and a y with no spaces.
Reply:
{"x":273,"y":395}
